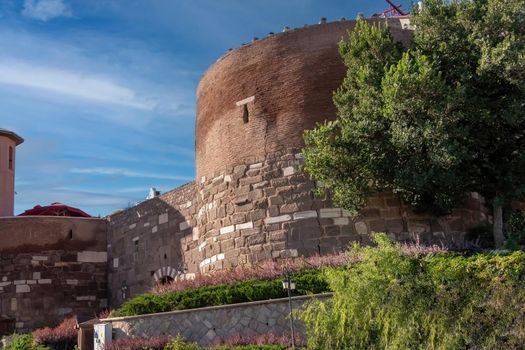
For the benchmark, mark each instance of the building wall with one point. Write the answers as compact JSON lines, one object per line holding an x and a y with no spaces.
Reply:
{"x":51,"y":268}
{"x":211,"y":324}
{"x":251,"y":201}
{"x":7,"y":176}
{"x":147,"y":242}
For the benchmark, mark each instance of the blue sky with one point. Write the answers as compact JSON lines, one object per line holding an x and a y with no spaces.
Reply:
{"x":103,"y":91}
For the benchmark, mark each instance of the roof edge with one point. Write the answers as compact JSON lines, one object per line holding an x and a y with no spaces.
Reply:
{"x":12,"y":135}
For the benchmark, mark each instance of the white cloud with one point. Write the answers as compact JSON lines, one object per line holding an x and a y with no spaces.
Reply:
{"x":128,"y":173}
{"x":44,"y":10}
{"x":75,"y":84}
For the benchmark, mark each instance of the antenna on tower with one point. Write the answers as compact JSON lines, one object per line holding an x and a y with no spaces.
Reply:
{"x":393,"y":11}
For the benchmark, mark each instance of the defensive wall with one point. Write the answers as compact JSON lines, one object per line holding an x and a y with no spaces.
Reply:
{"x":50,"y":268}
{"x":251,"y":201}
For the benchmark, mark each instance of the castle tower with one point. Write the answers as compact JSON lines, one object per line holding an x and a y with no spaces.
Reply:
{"x":253,"y":106}
{"x":8,"y":142}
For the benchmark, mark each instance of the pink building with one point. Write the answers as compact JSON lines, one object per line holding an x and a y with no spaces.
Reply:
{"x":8,"y":142}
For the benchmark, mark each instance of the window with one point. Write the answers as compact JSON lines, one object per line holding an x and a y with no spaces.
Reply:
{"x":245,"y":114}
{"x":10,"y":158}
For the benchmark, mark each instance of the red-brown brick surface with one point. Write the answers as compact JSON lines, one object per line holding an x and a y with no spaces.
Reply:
{"x":292,"y":76}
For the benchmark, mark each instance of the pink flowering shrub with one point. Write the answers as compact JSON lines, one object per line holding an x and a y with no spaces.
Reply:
{"x":266,"y":270}
{"x":63,"y":336}
{"x":155,"y":343}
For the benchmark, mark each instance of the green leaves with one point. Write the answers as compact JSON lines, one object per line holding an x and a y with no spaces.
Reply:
{"x":441,"y":119}
{"x":389,"y":300}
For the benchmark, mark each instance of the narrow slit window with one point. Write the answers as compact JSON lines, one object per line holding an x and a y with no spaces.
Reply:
{"x":10,"y":158}
{"x":245,"y":114}
{"x":70,"y":234}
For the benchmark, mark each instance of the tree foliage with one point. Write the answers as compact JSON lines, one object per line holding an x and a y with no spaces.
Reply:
{"x":432,"y":121}
{"x":389,"y":300}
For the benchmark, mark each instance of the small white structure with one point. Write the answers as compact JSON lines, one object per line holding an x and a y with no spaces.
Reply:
{"x":102,"y":335}
{"x":153,"y":193}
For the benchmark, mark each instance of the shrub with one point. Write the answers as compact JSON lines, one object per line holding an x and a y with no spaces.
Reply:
{"x":268,"y":339}
{"x":24,"y":342}
{"x":440,"y":301}
{"x":308,"y":282}
{"x":178,"y":343}
{"x":266,"y":270}
{"x":155,"y":343}
{"x":61,"y":337}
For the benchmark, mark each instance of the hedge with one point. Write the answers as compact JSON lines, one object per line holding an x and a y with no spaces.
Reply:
{"x":308,"y":282}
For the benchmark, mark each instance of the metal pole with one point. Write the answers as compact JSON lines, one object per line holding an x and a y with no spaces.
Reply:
{"x":289,"y":282}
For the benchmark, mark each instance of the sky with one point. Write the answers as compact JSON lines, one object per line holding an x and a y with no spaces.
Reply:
{"x":103,"y":91}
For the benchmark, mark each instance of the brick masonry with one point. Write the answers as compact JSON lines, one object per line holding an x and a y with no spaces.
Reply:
{"x":51,"y":268}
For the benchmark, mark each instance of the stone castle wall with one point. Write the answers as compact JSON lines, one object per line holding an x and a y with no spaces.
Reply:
{"x":51,"y":268}
{"x":251,"y":201}
{"x":147,"y":242}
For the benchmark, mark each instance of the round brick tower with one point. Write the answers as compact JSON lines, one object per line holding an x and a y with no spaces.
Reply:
{"x":8,"y":142}
{"x":253,"y":201}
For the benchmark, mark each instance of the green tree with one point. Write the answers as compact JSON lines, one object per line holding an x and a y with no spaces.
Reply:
{"x":441,"y":119}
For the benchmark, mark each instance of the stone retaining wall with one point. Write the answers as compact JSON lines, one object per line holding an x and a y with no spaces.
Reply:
{"x":208,"y":325}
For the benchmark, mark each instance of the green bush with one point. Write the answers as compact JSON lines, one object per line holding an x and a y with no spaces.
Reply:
{"x":443,"y":301}
{"x":24,"y":342}
{"x":308,"y":282}
{"x":179,"y":343}
{"x":253,"y":347}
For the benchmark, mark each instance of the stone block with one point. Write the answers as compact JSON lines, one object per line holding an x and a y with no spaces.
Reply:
{"x":289,"y":208}
{"x":227,"y":229}
{"x":377,"y":225}
{"x":154,"y":229}
{"x":305,"y":214}
{"x":163,"y":218}
{"x":275,"y":200}
{"x":330,"y":213}
{"x":277,"y":219}
{"x":289,"y":253}
{"x":341,"y":221}
{"x":369,"y":213}
{"x":257,"y":214}
{"x":23,"y":288}
{"x":94,"y":257}
{"x":332,"y":230}
{"x":361,"y":227}
{"x":40,"y":258}
{"x":288,"y":171}
{"x":44,"y":281}
{"x":244,"y":226}
{"x":184,"y":225}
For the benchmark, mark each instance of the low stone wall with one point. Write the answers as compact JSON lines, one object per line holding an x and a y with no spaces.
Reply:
{"x":51,"y":268}
{"x":208,"y":325}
